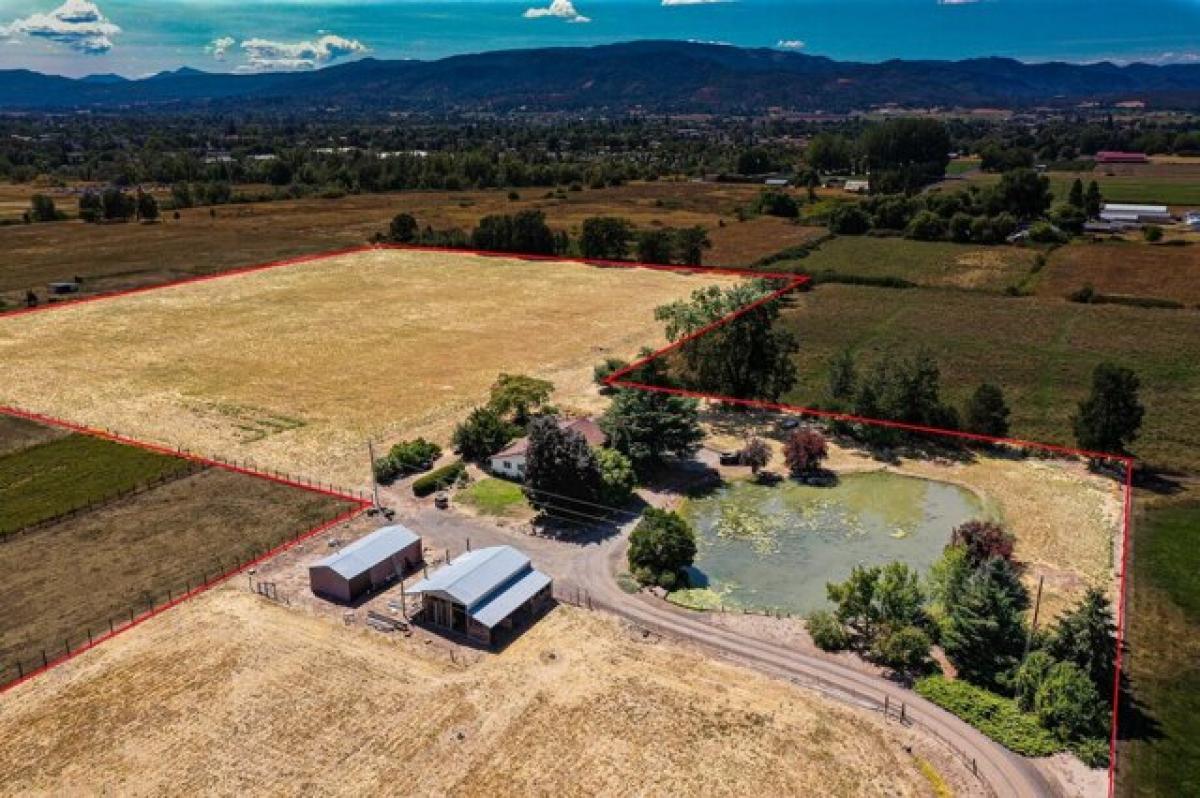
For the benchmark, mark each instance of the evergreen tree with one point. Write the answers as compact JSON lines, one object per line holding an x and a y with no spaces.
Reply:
{"x":1086,"y":636}
{"x":1075,"y":196}
{"x":984,"y":632}
{"x":987,"y":413}
{"x":1093,"y":200}
{"x":842,"y":376}
{"x":561,"y":466}
{"x":1108,"y":420}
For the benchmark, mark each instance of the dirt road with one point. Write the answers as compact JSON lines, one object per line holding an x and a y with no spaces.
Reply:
{"x":586,"y":567}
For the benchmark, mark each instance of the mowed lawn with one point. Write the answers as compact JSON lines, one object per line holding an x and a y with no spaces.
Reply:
{"x":294,"y":368}
{"x":74,"y":576}
{"x":48,"y":479}
{"x":1040,"y":351}
{"x":929,"y":263}
{"x":1162,"y":752}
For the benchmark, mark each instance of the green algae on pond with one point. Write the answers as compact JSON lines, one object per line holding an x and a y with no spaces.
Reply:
{"x":775,"y":546}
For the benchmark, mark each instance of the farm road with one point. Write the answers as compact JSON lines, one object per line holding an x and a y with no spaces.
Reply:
{"x":587,"y":566}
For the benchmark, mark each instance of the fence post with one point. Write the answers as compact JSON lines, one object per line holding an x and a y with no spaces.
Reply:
{"x":20,"y":670}
{"x":89,"y":631}
{"x":110,"y":626}
{"x":44,"y":662}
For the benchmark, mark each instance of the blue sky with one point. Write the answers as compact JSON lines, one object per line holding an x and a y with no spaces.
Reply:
{"x":139,"y":37}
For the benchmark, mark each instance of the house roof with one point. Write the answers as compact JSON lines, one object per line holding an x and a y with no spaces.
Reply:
{"x":367,"y":552}
{"x":489,"y":582}
{"x":586,"y":427}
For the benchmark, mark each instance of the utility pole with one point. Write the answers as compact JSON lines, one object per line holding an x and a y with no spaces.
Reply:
{"x":1037,"y":605}
{"x":374,"y":482}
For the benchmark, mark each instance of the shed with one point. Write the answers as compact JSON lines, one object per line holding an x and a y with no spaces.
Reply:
{"x":368,"y":563}
{"x":483,"y":591}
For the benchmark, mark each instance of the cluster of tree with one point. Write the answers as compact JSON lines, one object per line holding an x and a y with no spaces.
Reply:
{"x":512,"y":402}
{"x":1015,"y":145}
{"x":901,"y":155}
{"x":980,"y":215}
{"x":649,"y":426}
{"x":973,"y":604}
{"x":43,"y":209}
{"x":894,"y":388}
{"x":115,"y":205}
{"x":406,"y":457}
{"x":747,"y":357}
{"x":602,"y":238}
{"x":661,"y":547}
{"x":566,"y":476}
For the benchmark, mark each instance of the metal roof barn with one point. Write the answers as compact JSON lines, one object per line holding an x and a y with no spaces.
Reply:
{"x":366,"y":564}
{"x":482,"y":590}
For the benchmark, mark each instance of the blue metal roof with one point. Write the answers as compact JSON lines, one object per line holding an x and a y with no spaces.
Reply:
{"x":365,"y":553}
{"x":496,"y":609}
{"x":479,"y":578}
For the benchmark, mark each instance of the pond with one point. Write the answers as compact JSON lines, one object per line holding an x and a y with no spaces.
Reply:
{"x":775,"y":546}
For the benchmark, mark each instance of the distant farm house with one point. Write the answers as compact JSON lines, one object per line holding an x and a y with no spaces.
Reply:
{"x":483,"y":592}
{"x":367,"y":564}
{"x":511,"y":461}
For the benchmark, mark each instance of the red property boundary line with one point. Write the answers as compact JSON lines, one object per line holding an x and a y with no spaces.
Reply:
{"x":791,"y":282}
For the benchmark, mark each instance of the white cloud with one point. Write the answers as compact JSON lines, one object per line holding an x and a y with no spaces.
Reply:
{"x":561,"y":9}
{"x":957,"y":2}
{"x":219,"y":47}
{"x":77,"y":24}
{"x":790,"y":44}
{"x":693,"y":2}
{"x":264,"y":55}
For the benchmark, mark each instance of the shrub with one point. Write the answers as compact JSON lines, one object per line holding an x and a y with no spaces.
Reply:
{"x":905,"y":650}
{"x":997,"y":717}
{"x":439,"y":479}
{"x":1084,"y":295}
{"x":983,"y":540}
{"x":849,"y":220}
{"x":827,"y":631}
{"x":1067,"y":704}
{"x":482,"y":434}
{"x":926,"y":226}
{"x":406,"y":457}
{"x":1046,"y":233}
{"x":776,"y":203}
{"x":1152,"y":233}
{"x":660,"y":547}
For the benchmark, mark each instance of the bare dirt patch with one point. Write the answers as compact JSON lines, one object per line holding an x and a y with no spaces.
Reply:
{"x":235,"y":694}
{"x":293,"y":368}
{"x":1126,"y":268}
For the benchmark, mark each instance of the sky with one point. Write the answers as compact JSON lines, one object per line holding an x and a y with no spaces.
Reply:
{"x":136,"y":38}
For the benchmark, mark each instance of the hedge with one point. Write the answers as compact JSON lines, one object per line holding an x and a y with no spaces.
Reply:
{"x":996,"y":716}
{"x":439,"y":479}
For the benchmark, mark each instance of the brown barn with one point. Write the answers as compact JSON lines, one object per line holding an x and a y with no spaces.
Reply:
{"x":366,"y":564}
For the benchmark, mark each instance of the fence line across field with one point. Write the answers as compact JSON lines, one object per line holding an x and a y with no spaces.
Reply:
{"x":11,"y":675}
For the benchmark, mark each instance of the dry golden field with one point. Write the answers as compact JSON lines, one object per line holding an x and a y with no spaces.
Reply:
{"x":293,"y":368}
{"x":230,"y":694}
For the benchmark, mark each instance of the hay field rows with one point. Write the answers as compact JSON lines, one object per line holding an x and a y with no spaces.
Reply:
{"x":231,"y":694}
{"x":294,"y":368}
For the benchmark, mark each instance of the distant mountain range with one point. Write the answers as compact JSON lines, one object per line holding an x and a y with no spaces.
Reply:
{"x":654,"y":75}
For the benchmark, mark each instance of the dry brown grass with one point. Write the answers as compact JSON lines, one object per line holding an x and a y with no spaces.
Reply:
{"x":294,"y":368}
{"x":80,"y":573}
{"x":231,"y":694}
{"x":116,"y":256}
{"x":1132,"y":269}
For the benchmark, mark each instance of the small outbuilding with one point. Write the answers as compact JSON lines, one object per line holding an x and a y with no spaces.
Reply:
{"x":367,"y":564}
{"x":484,"y":593}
